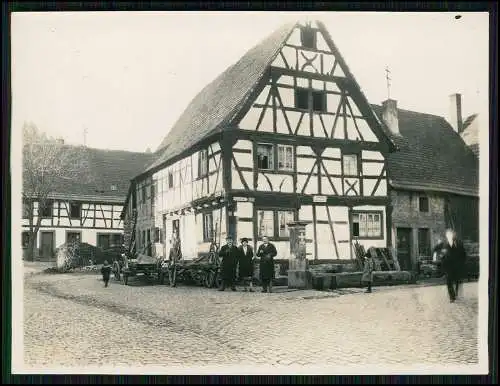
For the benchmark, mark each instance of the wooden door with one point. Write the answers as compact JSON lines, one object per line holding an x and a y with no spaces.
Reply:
{"x":47,"y":244}
{"x":403,"y":245}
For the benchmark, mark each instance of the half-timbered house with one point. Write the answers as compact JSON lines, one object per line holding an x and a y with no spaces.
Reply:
{"x":434,"y":181}
{"x":284,"y":134}
{"x":87,"y":209}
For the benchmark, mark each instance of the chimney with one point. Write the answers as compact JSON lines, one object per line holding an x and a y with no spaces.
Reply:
{"x":455,"y":118}
{"x":390,"y":115}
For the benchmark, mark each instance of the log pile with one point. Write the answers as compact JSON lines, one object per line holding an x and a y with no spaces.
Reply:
{"x":382,"y":257}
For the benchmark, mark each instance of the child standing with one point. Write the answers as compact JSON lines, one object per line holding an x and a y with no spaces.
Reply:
{"x":106,"y":272}
{"x":368,"y":272}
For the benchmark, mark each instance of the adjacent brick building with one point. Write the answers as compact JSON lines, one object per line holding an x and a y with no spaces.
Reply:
{"x":434,"y":181}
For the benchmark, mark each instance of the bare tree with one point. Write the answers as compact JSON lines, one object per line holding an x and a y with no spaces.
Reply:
{"x":46,"y":162}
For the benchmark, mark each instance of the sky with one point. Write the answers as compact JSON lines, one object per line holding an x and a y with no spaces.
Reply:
{"x":120,"y":80}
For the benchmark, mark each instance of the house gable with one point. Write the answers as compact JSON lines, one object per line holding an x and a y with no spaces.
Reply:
{"x":308,"y":90}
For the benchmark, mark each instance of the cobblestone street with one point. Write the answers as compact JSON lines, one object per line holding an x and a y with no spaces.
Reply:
{"x":71,"y":320}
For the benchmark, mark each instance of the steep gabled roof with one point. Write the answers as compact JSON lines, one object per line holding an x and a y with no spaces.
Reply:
{"x":104,"y":169}
{"x":431,"y":156}
{"x":217,"y":104}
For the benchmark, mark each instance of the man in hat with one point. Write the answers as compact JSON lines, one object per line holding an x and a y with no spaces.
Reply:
{"x":229,"y":255}
{"x":266,"y":252}
{"x":245,"y":264}
{"x":453,"y":260}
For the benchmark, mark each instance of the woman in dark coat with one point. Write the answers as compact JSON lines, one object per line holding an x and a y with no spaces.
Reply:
{"x":229,"y":254}
{"x":266,"y":252}
{"x":245,"y":264}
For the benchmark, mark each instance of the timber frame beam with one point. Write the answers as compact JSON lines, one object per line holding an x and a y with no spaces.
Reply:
{"x":346,"y":145}
{"x":296,"y":200}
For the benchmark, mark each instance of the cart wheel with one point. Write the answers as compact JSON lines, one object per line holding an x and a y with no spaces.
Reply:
{"x":116,"y":270}
{"x":125,"y":279}
{"x":210,"y":279}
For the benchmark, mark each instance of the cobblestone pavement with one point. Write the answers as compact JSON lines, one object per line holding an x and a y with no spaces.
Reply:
{"x":72,"y":320}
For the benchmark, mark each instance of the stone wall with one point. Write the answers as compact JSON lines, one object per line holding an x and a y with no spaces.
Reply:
{"x":406,"y":214}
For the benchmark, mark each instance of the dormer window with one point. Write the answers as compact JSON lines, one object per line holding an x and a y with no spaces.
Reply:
{"x":114,"y":188}
{"x":308,"y":37}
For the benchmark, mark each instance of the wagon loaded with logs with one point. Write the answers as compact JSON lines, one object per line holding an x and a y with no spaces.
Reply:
{"x":137,"y":265}
{"x":203,"y":271}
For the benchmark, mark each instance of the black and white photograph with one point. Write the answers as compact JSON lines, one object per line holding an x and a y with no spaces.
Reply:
{"x":250,"y":192}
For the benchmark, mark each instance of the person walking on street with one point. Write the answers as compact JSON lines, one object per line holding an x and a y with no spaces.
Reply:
{"x":266,"y":252}
{"x":453,"y":258}
{"x":229,"y":254}
{"x":369,"y":267}
{"x":245,"y":264}
{"x":106,"y":273}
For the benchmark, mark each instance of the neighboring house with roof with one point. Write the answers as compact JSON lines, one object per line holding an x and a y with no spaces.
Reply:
{"x":467,"y":128}
{"x":434,"y":181}
{"x":470,"y":133}
{"x":284,"y":134}
{"x":88,"y":212}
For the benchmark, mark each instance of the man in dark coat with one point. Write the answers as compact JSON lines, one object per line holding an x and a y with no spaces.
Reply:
{"x":229,"y":255}
{"x":266,"y":252}
{"x":453,"y":259}
{"x":245,"y":264}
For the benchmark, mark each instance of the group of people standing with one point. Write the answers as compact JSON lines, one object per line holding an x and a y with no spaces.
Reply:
{"x":238,"y":262}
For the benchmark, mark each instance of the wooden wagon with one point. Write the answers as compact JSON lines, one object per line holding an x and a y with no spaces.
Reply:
{"x":203,"y":271}
{"x":139,"y":265}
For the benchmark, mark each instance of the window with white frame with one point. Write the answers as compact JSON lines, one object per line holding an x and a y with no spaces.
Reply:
{"x":207,"y":226}
{"x":265,"y":156}
{"x":202,"y":163}
{"x":274,"y":223}
{"x":265,"y":223}
{"x":284,"y":217}
{"x":350,"y":163}
{"x":367,"y":225}
{"x":285,"y":157}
